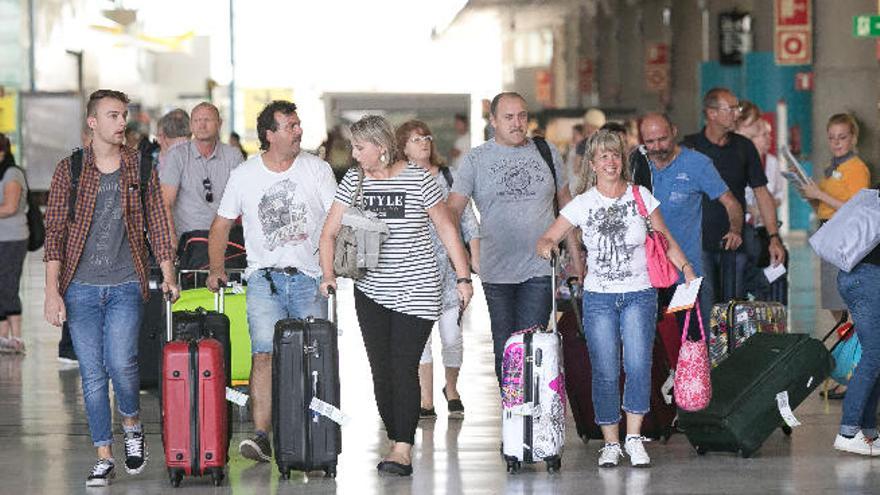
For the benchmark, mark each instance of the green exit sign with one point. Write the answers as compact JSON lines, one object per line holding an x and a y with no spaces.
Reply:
{"x":866,"y":26}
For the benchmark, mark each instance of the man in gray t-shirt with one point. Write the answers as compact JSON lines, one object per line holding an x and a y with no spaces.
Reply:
{"x":513,"y":189}
{"x":193,"y":176}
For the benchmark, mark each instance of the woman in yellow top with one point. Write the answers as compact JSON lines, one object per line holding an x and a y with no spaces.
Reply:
{"x":846,"y":176}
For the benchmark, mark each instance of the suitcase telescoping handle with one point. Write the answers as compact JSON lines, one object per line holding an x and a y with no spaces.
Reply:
{"x":169,"y":332}
{"x":554,"y":265}
{"x":331,"y":304}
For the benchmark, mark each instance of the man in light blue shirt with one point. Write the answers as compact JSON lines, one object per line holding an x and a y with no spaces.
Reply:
{"x":680,"y":177}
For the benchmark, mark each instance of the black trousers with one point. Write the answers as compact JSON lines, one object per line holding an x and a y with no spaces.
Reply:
{"x":394,"y":343}
{"x":12,"y":254}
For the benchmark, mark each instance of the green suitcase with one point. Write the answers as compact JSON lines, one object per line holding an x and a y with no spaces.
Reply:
{"x":743,"y":411}
{"x":235,"y":308}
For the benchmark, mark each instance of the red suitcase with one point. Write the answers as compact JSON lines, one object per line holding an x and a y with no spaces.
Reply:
{"x":657,"y":424}
{"x":194,"y":412}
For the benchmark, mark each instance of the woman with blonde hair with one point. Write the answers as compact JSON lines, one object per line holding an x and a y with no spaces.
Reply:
{"x":397,"y":302}
{"x":843,"y":178}
{"x":417,"y":144}
{"x":619,"y":302}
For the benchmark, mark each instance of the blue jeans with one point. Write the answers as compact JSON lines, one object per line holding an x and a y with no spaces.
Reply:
{"x":611,"y":320}
{"x":104,"y":322}
{"x":860,"y":289}
{"x":295,"y":296}
{"x":514,"y":307}
{"x":719,"y":282}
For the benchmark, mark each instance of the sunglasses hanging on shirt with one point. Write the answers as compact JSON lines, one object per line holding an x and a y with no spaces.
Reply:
{"x":209,"y":193}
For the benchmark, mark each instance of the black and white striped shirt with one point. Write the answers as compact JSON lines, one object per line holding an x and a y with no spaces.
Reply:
{"x":407,"y":279}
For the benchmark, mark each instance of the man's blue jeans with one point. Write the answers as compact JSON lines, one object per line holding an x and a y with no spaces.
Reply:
{"x":295,"y":296}
{"x":612,"y":321}
{"x":723,"y":277}
{"x":860,"y":289}
{"x":514,"y":307}
{"x":104,"y":322}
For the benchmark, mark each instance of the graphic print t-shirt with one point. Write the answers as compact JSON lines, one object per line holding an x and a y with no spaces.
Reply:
{"x":106,"y":257}
{"x":614,"y":235}
{"x":407,"y":279}
{"x":513,"y":189}
{"x":282,"y":212}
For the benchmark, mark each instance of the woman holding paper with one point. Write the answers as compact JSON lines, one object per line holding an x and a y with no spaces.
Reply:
{"x":620,"y":305}
{"x":845,"y":176}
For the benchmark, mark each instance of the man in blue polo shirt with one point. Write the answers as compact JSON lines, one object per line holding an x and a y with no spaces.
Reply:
{"x":680,"y":177}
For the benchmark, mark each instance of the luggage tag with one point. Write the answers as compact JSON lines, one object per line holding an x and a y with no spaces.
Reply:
{"x":238,"y":398}
{"x":236,"y":287}
{"x":527,"y":409}
{"x":785,"y":409}
{"x":329,"y":411}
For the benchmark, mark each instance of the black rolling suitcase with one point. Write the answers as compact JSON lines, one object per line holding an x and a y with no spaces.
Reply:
{"x":744,"y":411}
{"x":152,"y":333}
{"x":305,"y":367}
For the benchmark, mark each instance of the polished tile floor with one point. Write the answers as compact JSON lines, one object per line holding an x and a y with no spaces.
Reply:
{"x":45,"y":446}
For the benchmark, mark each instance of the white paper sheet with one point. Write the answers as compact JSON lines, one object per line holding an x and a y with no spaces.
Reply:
{"x":685,"y":296}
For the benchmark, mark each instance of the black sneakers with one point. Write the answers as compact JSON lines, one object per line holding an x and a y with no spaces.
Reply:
{"x":136,"y":454}
{"x":256,"y":448}
{"x":101,"y":474}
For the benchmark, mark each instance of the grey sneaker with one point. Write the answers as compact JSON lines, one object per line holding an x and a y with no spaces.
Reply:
{"x":256,"y":448}
{"x":101,"y":474}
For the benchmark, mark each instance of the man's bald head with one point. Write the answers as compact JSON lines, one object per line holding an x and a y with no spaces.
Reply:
{"x":658,"y":135}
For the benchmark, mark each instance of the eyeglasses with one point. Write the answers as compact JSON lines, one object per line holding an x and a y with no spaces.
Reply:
{"x":209,"y":193}
{"x":421,"y":139}
{"x":733,"y":109}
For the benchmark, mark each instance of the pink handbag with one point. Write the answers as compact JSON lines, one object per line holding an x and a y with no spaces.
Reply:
{"x":661,"y":271}
{"x":693,"y":384}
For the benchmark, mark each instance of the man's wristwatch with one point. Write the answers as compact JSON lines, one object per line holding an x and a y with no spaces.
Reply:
{"x":463,"y":280}
{"x":776,"y":235}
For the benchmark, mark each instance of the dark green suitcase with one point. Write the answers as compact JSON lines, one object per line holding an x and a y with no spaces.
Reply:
{"x":743,"y":410}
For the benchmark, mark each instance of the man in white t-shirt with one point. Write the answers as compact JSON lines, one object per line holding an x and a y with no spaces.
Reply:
{"x":283,"y":196}
{"x":462,"y":140}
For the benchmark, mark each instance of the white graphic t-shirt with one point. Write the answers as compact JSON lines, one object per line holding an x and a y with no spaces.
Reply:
{"x":282,"y":213}
{"x":614,"y":235}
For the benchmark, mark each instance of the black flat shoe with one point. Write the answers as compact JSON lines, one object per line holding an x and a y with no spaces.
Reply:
{"x":427,"y":413}
{"x":833,"y":393}
{"x":395,"y":468}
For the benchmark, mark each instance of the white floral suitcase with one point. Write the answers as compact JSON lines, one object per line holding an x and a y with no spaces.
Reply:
{"x":533,"y":399}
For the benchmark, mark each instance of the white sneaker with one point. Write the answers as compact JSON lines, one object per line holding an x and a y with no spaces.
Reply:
{"x":857,"y":445}
{"x":635,"y":449}
{"x":609,"y":455}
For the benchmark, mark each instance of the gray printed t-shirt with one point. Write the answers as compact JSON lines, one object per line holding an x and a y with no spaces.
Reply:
{"x":186,"y":169}
{"x":106,"y":257}
{"x":512,"y":188}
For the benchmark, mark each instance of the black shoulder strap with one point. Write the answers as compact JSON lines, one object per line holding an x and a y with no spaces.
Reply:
{"x":146,"y":169}
{"x":76,"y":165}
{"x":447,"y":174}
{"x":544,"y":150}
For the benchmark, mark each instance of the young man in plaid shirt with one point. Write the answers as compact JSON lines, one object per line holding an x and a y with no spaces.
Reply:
{"x":97,"y":224}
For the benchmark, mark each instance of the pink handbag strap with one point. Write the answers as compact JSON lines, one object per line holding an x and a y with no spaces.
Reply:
{"x":640,"y":205}
{"x":687,"y":321}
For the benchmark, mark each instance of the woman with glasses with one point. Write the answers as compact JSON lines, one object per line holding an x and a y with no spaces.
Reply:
{"x":846,"y":175}
{"x":415,"y":139}
{"x":397,"y":302}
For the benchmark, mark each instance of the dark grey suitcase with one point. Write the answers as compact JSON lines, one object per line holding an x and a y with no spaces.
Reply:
{"x":305,"y":365}
{"x":743,"y":410}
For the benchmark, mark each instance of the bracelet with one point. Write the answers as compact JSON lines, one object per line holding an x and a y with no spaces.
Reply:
{"x":463,"y":280}
{"x":775,"y":234}
{"x":686,"y":263}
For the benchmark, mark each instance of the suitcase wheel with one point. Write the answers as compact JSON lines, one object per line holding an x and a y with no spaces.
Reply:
{"x":285,"y":472}
{"x":513,"y":466}
{"x":745,"y":454}
{"x":701,"y":450}
{"x":585,"y":438}
{"x":330,"y":471}
{"x":175,"y":476}
{"x":554,"y":465}
{"x":217,"y":476}
{"x":787,"y":430}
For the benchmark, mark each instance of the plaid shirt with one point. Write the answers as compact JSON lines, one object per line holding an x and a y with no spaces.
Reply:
{"x":65,"y":240}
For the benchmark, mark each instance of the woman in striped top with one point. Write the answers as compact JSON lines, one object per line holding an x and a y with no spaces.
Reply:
{"x":398,"y":302}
